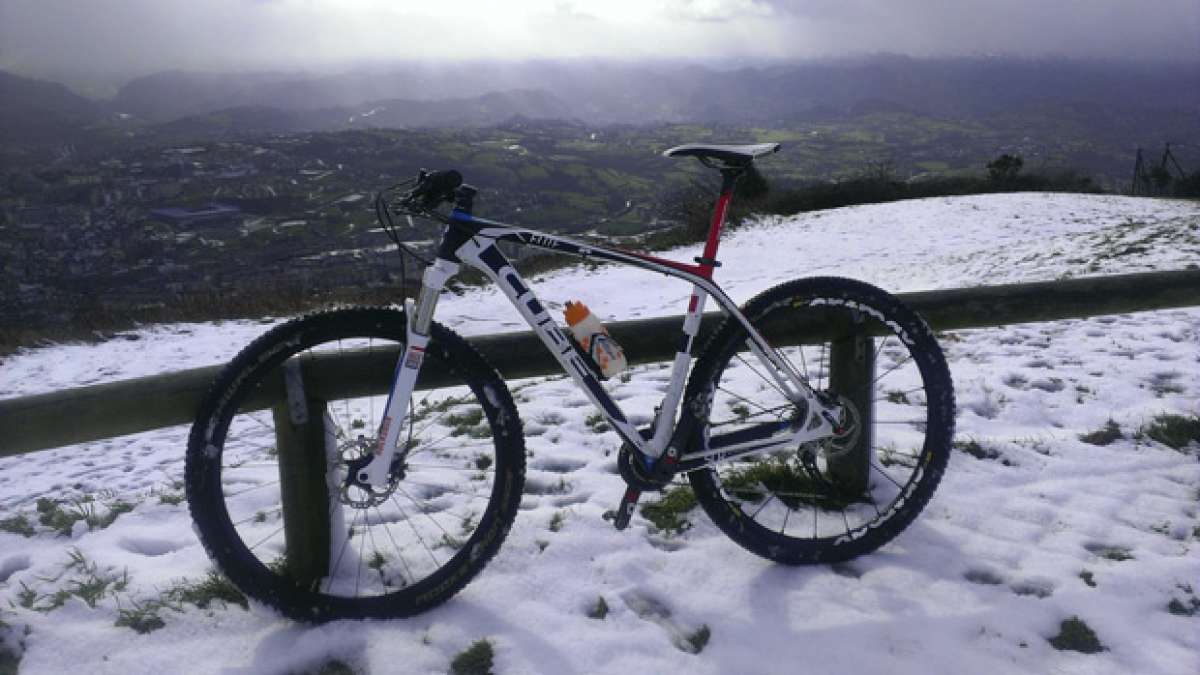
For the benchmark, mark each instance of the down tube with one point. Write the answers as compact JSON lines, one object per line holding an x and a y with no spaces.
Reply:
{"x":488,"y":259}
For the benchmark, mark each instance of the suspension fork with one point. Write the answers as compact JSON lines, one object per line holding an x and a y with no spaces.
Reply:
{"x":404,"y":380}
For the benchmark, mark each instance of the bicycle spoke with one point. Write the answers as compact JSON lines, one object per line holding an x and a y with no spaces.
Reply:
{"x":256,"y":487}
{"x":471,"y":469}
{"x":756,"y":405}
{"x":399,"y":553}
{"x":821,"y":367}
{"x":371,"y":400}
{"x":892,"y":369}
{"x":415,"y":531}
{"x":266,"y":538}
{"x":879,"y":349}
{"x":342,"y":552}
{"x":362,"y":541}
{"x":762,"y":506}
{"x":445,"y":489}
{"x":770,"y":381}
{"x":253,"y":417}
{"x":257,"y":515}
{"x":887,"y":475}
{"x":423,"y":512}
{"x":905,"y":392}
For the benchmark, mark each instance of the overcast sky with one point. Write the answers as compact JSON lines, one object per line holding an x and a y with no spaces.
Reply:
{"x":121,"y":38}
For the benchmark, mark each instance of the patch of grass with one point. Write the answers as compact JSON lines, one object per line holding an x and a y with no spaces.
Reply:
{"x":669,"y":513}
{"x":17,"y":524}
{"x":212,"y":588}
{"x":1174,"y":431}
{"x":598,"y":610}
{"x":61,"y":516}
{"x":790,"y":484}
{"x":26,"y":596}
{"x":1117,"y":553}
{"x":741,"y":410}
{"x":1181,"y":608}
{"x":1165,"y":383}
{"x":1178,"y":608}
{"x":141,"y":618}
{"x":51,"y":514}
{"x":898,"y":397}
{"x":171,"y":498}
{"x":1088,"y":578}
{"x":557,"y":520}
{"x":1075,"y":635}
{"x":596,"y":423}
{"x":482,"y":462}
{"x":477,"y":659}
{"x":699,"y":639}
{"x":115,"y":509}
{"x":87,"y":583}
{"x":469,"y":423}
{"x":1105,"y":435}
{"x":976,"y":449}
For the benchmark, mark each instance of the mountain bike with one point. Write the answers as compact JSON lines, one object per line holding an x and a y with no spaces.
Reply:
{"x":801,"y":451}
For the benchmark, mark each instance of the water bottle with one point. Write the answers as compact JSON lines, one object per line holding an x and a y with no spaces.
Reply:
{"x":594,"y":339}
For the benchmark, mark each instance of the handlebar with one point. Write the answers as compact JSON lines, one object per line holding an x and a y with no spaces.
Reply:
{"x":433,"y":188}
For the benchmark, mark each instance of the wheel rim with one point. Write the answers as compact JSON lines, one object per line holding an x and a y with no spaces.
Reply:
{"x":399,"y":540}
{"x":790,"y":497}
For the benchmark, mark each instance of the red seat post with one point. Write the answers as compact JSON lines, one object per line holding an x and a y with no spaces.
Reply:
{"x":708,"y":259}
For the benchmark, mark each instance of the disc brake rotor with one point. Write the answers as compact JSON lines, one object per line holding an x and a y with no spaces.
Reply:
{"x":353,"y":455}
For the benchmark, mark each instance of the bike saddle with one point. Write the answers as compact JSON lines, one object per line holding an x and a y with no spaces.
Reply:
{"x":733,"y":155}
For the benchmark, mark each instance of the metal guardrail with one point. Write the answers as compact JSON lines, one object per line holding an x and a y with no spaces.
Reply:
{"x":101,"y":411}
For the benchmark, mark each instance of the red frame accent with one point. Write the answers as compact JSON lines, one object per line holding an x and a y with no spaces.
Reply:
{"x":714,"y":230}
{"x":710,"y":245}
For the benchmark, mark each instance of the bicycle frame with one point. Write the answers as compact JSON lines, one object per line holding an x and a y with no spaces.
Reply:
{"x":472,"y":240}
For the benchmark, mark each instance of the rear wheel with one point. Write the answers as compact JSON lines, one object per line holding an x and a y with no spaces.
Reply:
{"x":391,"y":551}
{"x":802,"y":504}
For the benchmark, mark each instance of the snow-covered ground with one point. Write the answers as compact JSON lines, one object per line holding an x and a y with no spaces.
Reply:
{"x":1039,"y":528}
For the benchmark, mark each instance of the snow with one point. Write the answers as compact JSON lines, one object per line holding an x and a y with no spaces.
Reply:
{"x":978,"y":583}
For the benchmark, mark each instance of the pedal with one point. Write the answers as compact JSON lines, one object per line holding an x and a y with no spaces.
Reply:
{"x":625,"y":510}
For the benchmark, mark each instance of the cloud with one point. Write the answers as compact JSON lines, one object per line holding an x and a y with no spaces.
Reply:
{"x":141,"y":36}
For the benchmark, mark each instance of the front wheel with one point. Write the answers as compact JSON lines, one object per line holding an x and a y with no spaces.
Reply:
{"x":830,"y":500}
{"x":295,"y":412}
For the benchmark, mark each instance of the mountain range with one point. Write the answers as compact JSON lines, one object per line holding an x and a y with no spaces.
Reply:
{"x":480,"y":94}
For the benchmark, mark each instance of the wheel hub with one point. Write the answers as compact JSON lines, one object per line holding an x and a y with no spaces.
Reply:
{"x":847,"y":427}
{"x":354,"y":455}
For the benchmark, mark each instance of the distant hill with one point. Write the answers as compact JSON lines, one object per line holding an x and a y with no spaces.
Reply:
{"x":1098,"y":95}
{"x":602,"y":93}
{"x":487,"y":110}
{"x":35,"y":111}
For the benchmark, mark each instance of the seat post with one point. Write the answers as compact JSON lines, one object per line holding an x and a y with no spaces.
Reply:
{"x":729,"y":177}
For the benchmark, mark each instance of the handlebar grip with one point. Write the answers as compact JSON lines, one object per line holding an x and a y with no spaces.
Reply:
{"x":438,"y":186}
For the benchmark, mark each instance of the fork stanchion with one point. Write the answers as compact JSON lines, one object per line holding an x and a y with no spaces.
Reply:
{"x":851,"y":369}
{"x":300,"y":440}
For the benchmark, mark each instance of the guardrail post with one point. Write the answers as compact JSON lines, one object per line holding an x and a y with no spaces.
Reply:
{"x":300,"y":439}
{"x":851,"y":369}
